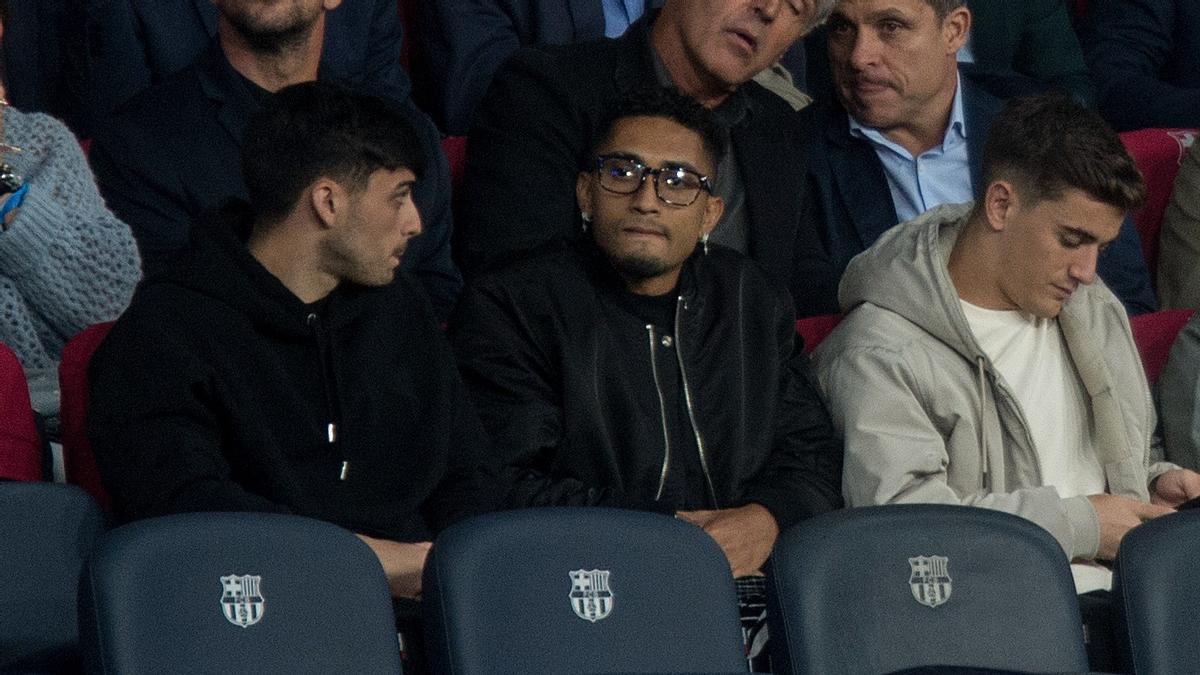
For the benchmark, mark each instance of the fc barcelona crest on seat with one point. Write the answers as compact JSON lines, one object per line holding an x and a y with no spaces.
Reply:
{"x":241,"y":600}
{"x":591,"y":598}
{"x":930,"y":579}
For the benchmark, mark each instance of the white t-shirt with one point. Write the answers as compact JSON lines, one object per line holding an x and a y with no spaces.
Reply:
{"x":1032,"y":357}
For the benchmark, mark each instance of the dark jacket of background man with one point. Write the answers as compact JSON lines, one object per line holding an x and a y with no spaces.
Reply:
{"x":546,"y":111}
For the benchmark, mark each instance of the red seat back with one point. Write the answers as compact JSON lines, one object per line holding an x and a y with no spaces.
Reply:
{"x":20,"y":446}
{"x":1158,"y":153}
{"x":455,"y":148}
{"x":1154,"y":334}
{"x":78,"y":461}
{"x":813,"y":329}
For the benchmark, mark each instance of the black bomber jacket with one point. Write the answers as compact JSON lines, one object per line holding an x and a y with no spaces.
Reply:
{"x":574,"y":413}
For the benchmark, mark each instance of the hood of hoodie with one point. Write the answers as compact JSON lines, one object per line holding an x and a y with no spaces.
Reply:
{"x":905,"y":271}
{"x":218,"y":264}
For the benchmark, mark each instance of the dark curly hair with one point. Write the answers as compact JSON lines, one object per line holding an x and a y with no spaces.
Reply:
{"x":670,"y":104}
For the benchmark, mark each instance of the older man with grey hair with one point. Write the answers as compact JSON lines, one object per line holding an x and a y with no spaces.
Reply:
{"x":547,"y":107}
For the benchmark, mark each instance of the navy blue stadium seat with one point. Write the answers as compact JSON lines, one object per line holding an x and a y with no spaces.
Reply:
{"x":579,"y":590}
{"x":887,"y":588}
{"x":235,"y":593}
{"x":46,"y":532}
{"x":1157,"y":598}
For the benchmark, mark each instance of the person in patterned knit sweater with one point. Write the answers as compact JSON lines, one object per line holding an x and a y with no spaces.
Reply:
{"x":65,"y":260}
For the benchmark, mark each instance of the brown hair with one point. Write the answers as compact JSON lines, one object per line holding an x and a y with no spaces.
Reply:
{"x":1048,"y":144}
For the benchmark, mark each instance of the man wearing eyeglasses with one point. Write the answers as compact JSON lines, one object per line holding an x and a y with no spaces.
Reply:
{"x":643,"y":366}
{"x":546,"y":108}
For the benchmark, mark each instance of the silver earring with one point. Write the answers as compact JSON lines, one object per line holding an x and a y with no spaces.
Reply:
{"x":704,"y":242}
{"x":586,"y":218}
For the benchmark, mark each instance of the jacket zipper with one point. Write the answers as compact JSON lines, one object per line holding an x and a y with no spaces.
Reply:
{"x":662,"y":412}
{"x":687,"y":397}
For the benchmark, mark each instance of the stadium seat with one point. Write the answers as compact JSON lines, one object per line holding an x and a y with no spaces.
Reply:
{"x":575,"y":590}
{"x":235,"y":593}
{"x":885,"y":588}
{"x":20,"y":447}
{"x":816,"y":328}
{"x":1154,"y":334}
{"x":1158,"y":153}
{"x":1156,"y":596}
{"x":47,"y":531}
{"x":78,"y":461}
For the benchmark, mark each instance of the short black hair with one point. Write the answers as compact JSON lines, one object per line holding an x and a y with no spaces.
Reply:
{"x":4,"y":12}
{"x":670,"y":104}
{"x":319,"y":129}
{"x":1049,"y":143}
{"x":943,"y":7}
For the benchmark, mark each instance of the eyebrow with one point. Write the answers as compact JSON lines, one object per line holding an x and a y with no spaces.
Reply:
{"x":888,"y":13}
{"x":669,"y":164}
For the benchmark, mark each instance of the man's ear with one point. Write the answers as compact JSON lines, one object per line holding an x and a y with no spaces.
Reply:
{"x":327,"y":200}
{"x":330,"y":5}
{"x":999,"y":202}
{"x":956,"y":28}
{"x":714,"y":208}
{"x":583,"y":192}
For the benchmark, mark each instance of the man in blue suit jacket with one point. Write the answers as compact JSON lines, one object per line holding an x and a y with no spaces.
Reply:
{"x":132,"y":44}
{"x":1145,"y":56}
{"x":906,"y":132}
{"x":171,"y":154}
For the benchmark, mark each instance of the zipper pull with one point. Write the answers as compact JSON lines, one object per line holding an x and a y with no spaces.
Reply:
{"x":345,"y":471}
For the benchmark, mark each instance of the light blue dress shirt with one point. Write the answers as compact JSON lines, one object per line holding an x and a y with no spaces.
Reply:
{"x":941,"y":175}
{"x":618,"y":14}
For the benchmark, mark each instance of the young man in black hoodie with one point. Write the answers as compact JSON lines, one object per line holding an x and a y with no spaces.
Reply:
{"x":284,"y":365}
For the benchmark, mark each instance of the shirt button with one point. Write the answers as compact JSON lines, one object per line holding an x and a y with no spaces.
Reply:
{"x":667,"y":341}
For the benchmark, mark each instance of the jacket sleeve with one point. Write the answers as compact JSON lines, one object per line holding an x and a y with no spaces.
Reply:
{"x":528,"y":134}
{"x":802,"y":477}
{"x":469,"y":41}
{"x":1179,"y":250}
{"x":512,"y":379}
{"x":1127,"y":45}
{"x":897,"y":454}
{"x":1179,"y":398}
{"x":144,"y":195}
{"x":155,"y":429}
{"x":67,"y":254}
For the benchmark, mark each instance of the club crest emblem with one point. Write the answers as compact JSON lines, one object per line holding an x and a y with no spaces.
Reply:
{"x":930,"y":579}
{"x":241,"y":600}
{"x":591,"y":598}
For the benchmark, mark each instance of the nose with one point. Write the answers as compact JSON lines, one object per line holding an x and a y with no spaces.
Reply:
{"x":410,"y":222}
{"x":767,"y":10}
{"x":645,"y":199}
{"x":864,"y":50}
{"x":1083,"y":268}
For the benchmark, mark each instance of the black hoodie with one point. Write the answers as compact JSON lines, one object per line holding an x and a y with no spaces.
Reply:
{"x":219,"y":390}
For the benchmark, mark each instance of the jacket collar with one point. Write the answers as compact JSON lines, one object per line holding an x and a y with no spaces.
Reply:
{"x":226,"y":90}
{"x":859,"y":174}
